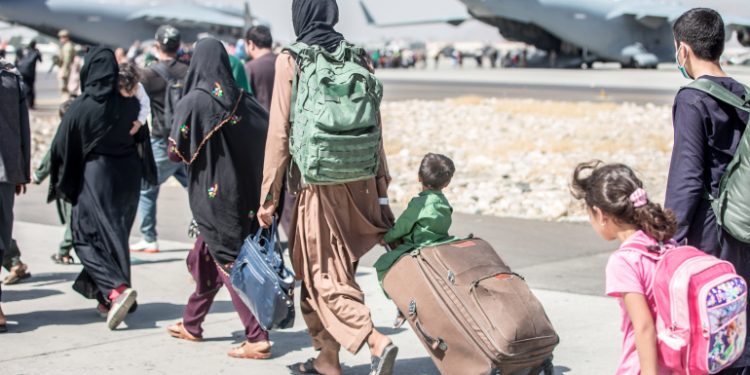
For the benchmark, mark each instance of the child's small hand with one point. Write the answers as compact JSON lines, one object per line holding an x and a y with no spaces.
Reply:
{"x":136,"y":126}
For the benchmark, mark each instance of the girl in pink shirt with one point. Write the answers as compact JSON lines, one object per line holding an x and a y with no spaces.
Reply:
{"x":619,"y":209}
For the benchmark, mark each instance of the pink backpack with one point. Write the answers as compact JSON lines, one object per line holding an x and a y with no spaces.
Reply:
{"x":701,"y":308}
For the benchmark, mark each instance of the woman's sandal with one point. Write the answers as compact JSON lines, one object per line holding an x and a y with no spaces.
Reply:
{"x":304,"y":368}
{"x":178,"y":331}
{"x":17,"y":273}
{"x":241,"y":353}
{"x":384,"y":364}
{"x":63,"y":259}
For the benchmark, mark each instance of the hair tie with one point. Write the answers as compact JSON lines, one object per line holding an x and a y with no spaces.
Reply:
{"x":639,"y":198}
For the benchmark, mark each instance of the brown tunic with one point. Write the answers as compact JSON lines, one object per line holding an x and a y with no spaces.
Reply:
{"x":334,"y":226}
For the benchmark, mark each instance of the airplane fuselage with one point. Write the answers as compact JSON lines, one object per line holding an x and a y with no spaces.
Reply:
{"x":591,"y":25}
{"x":110,"y":22}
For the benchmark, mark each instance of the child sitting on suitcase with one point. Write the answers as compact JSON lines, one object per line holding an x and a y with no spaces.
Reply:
{"x":619,"y":209}
{"x":427,"y":218}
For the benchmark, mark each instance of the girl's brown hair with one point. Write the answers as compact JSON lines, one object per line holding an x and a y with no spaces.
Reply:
{"x":609,"y":187}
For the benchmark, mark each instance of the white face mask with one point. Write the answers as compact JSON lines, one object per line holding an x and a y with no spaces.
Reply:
{"x":681,"y":67}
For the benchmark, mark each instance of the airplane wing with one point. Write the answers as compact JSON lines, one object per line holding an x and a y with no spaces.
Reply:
{"x":455,"y":21}
{"x":654,"y":15}
{"x":191,"y":16}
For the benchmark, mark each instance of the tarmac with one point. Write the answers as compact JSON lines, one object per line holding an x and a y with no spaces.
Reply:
{"x":53,"y":330}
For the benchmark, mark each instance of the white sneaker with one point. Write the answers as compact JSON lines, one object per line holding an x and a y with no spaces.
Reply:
{"x":120,"y":307}
{"x":144,"y":246}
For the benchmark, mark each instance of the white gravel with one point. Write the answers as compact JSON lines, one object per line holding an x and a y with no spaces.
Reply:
{"x":514,"y":158}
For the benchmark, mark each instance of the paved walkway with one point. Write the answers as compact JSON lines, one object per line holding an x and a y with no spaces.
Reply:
{"x":56,"y":331}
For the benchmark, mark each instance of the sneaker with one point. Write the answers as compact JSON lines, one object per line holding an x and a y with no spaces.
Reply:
{"x":144,"y":246}
{"x":120,"y":307}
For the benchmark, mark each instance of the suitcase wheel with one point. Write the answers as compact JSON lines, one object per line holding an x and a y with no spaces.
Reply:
{"x":548,"y":368}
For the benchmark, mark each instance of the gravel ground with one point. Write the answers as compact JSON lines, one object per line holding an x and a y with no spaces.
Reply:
{"x":514,"y":158}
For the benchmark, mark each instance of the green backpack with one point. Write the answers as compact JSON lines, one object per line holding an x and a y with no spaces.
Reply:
{"x":732,"y":206}
{"x":335,"y":132}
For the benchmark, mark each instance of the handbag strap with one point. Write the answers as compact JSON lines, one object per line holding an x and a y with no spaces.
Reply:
{"x":271,"y":237}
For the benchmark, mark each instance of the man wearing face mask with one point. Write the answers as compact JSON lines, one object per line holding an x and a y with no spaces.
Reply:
{"x":707,"y":133}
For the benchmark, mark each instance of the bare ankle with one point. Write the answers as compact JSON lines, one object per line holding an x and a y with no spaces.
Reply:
{"x":377,"y":343}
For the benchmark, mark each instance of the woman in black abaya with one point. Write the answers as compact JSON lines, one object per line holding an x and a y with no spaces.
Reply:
{"x":97,"y":166}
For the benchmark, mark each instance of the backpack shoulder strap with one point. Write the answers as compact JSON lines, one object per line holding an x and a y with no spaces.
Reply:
{"x":720,"y":93}
{"x":162,"y":71}
{"x":295,"y":49}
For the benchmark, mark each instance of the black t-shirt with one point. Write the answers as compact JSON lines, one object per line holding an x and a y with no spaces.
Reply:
{"x":156,"y":88}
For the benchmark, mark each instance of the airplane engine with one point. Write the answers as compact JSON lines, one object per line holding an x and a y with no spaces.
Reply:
{"x":526,"y":33}
{"x":743,"y":36}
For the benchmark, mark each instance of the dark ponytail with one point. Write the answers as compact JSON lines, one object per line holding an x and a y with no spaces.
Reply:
{"x":609,"y":187}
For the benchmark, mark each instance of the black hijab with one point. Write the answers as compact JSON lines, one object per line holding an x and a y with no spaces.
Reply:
{"x":314,"y":21}
{"x":220,"y":132}
{"x":91,"y":116}
{"x":211,"y":72}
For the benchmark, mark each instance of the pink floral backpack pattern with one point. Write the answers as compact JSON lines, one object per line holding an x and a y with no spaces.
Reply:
{"x":701,"y":308}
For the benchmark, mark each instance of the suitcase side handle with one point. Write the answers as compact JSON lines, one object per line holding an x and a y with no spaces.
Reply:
{"x":434,"y":343}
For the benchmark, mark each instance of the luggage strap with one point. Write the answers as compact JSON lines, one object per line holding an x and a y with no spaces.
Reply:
{"x":434,"y":342}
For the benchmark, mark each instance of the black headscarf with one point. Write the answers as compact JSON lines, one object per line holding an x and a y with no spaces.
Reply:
{"x":314,"y":21}
{"x":211,"y":72}
{"x":90,"y":117}
{"x":220,"y":132}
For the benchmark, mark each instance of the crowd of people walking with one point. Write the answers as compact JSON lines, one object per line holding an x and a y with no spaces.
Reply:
{"x":232,"y":140}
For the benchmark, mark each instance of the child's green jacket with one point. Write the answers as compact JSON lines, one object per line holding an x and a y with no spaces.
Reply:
{"x":425,"y":222}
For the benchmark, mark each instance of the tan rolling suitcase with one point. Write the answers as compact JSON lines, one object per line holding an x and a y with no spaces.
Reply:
{"x":471,"y":312}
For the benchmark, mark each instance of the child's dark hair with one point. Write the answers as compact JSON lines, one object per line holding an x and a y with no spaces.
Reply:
{"x":703,"y":30}
{"x":64,"y":107}
{"x":436,"y":171}
{"x":609,"y":187}
{"x":129,"y":76}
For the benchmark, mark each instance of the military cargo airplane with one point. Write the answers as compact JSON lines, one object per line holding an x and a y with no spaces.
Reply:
{"x":117,"y":23}
{"x":636,"y":33}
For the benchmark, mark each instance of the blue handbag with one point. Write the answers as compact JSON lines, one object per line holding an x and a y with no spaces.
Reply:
{"x":263,"y":282}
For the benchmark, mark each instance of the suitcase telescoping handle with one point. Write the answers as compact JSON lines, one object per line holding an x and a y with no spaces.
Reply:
{"x":434,"y":343}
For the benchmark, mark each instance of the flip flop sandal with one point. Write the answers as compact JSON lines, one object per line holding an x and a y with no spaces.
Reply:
{"x":240,"y":353}
{"x":64,"y":260}
{"x":304,"y":368}
{"x":14,"y":278}
{"x":178,"y":331}
{"x":384,"y":364}
{"x":399,"y":321}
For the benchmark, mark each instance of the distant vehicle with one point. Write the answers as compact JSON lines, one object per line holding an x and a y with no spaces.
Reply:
{"x":743,"y":59}
{"x":118,"y":24}
{"x":637,"y":34}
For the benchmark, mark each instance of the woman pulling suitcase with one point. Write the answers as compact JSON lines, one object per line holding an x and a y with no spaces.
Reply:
{"x":334,"y":224}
